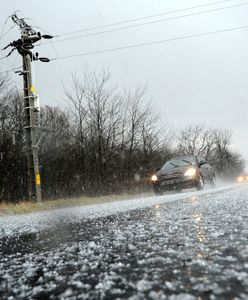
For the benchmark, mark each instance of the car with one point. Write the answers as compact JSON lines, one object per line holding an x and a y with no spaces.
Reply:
{"x":183,"y":172}
{"x":243,"y":178}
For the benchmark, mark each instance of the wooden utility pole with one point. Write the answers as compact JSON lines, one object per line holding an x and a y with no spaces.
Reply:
{"x":31,"y":127}
{"x":24,"y":46}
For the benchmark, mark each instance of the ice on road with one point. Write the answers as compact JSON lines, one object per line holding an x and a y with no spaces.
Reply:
{"x":187,"y":246}
{"x":35,"y":222}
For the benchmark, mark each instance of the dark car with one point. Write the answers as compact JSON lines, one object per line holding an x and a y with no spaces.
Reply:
{"x":183,"y":172}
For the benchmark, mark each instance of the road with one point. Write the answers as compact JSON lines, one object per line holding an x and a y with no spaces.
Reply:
{"x":179,"y":247}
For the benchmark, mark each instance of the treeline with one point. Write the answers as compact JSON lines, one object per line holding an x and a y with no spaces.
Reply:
{"x":103,"y":141}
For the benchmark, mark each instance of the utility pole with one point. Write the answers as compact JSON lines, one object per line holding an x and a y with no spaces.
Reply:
{"x":24,"y":46}
{"x":31,"y":125}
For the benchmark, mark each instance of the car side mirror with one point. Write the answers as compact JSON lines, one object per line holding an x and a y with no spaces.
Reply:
{"x":202,"y":162}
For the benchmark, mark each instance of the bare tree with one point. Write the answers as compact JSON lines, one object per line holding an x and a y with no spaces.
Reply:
{"x":213,"y":144}
{"x":227,"y":162}
{"x":96,"y":108}
{"x":196,"y":139}
{"x":12,"y":158}
{"x":120,"y":131}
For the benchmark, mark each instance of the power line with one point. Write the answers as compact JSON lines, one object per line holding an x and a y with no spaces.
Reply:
{"x":5,"y":33}
{"x":10,"y":70}
{"x":152,"y":43}
{"x":6,"y":21}
{"x":148,"y":23}
{"x":142,"y":18}
{"x":48,"y":97}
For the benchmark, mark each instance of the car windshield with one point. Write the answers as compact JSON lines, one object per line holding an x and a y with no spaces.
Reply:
{"x":180,"y":162}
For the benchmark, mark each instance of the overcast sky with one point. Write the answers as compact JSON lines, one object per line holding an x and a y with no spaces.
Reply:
{"x":200,"y":80}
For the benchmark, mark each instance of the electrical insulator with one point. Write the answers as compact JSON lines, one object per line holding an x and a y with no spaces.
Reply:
{"x":37,"y":103}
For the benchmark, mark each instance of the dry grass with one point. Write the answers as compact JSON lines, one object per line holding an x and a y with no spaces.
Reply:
{"x":28,"y":207}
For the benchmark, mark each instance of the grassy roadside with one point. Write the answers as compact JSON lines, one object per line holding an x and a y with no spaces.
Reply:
{"x":28,"y":207}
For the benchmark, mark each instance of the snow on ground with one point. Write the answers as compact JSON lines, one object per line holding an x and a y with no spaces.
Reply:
{"x":35,"y":222}
{"x":175,"y":247}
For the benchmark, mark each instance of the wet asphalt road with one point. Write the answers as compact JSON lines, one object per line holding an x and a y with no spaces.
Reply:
{"x":192,"y":248}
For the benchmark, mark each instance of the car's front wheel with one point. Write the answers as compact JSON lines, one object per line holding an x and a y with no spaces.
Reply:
{"x":157,"y":191}
{"x":200,"y":183}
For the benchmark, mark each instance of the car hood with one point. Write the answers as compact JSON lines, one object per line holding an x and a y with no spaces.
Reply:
{"x":178,"y":170}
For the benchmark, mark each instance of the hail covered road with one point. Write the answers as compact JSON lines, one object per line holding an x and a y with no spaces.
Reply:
{"x":186,"y":246}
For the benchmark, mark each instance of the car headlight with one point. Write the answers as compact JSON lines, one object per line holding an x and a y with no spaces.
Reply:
{"x":154,"y":178}
{"x":240,"y":178}
{"x":190,"y":172}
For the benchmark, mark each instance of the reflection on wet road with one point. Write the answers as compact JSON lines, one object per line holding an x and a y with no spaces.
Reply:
{"x":191,"y":248}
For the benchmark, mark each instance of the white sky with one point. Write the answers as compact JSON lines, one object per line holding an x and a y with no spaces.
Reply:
{"x":201,"y":80}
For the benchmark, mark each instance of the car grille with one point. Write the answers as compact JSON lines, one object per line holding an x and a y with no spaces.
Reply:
{"x":170,"y":176}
